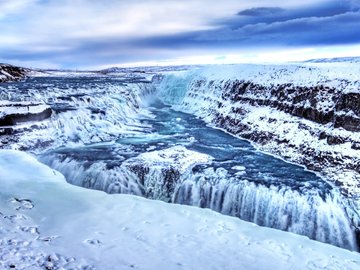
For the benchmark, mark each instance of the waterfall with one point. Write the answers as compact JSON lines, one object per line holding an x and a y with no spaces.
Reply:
{"x":308,"y":213}
{"x":317,"y":214}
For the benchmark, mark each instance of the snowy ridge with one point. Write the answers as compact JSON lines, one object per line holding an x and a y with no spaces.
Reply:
{"x":335,"y":60}
{"x":149,"y":69}
{"x":158,"y":236}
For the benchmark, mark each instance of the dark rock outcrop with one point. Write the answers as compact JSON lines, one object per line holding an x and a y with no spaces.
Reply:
{"x":320,"y":104}
{"x":12,"y":73}
{"x":168,"y":178}
{"x":12,"y":113}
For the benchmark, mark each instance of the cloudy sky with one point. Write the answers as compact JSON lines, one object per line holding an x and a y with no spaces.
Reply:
{"x":95,"y":34}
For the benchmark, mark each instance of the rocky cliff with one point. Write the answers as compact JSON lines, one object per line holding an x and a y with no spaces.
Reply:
{"x":306,"y":114}
{"x":316,"y":126}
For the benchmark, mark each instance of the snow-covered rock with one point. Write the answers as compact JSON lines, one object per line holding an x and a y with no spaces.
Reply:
{"x":12,"y":113}
{"x":21,"y":118}
{"x":177,"y":157}
{"x":159,"y":173}
{"x":74,"y":228}
{"x":12,"y":73}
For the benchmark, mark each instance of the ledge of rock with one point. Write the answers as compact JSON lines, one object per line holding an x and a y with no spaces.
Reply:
{"x":12,"y":113}
{"x":158,"y":172}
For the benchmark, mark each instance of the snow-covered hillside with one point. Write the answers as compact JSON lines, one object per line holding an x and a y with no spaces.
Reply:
{"x":335,"y":60}
{"x":46,"y":223}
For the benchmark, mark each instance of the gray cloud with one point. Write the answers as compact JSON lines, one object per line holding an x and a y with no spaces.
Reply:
{"x":261,"y":11}
{"x":91,"y":43}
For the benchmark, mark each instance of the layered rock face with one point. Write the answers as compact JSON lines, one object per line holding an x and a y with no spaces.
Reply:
{"x":281,"y":118}
{"x":319,"y":103}
{"x":12,"y":73}
{"x":327,"y":143}
{"x":12,"y":113}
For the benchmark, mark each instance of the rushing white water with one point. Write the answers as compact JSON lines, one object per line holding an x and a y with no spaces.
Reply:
{"x":318,"y":214}
{"x":307,"y":213}
{"x":85,"y":110}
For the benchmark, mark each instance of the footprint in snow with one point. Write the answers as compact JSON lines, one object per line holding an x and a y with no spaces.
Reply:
{"x":15,"y":218}
{"x":23,"y":204}
{"x":94,"y":242}
{"x":47,"y":238}
{"x":32,"y":230}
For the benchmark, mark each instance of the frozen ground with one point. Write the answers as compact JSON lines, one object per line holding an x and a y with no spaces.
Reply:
{"x":45,"y":222}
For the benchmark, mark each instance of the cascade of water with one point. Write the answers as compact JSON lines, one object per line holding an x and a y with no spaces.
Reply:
{"x":310,"y":212}
{"x":84,"y":110}
{"x":97,"y":175}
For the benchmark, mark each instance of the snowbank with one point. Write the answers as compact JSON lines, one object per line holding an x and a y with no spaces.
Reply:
{"x":46,"y":222}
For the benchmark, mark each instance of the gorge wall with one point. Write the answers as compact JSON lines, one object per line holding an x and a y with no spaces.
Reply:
{"x":307,"y":114}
